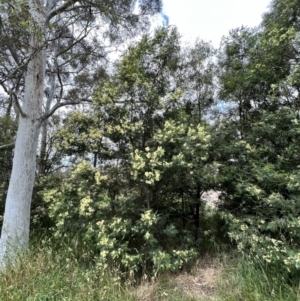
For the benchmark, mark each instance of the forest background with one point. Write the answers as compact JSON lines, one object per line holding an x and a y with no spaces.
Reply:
{"x":123,"y":168}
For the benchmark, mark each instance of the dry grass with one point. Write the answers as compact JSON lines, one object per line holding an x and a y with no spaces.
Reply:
{"x":227,"y":278}
{"x":202,"y":284}
{"x":199,"y":284}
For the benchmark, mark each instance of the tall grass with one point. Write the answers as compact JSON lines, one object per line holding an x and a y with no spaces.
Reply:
{"x":243,"y":280}
{"x":63,"y":271}
{"x":50,"y":272}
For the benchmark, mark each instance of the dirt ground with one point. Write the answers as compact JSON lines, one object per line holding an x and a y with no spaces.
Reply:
{"x":200,"y":284}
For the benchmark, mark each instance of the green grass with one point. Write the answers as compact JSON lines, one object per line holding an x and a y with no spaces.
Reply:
{"x":54,"y":274}
{"x":62,"y":272}
{"x":242,"y":280}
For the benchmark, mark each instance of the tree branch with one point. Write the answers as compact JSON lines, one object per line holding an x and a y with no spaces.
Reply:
{"x":63,"y":104}
{"x":6,"y":145}
{"x":23,"y":65}
{"x":57,"y":106}
{"x":54,"y":12}
{"x":15,"y":99}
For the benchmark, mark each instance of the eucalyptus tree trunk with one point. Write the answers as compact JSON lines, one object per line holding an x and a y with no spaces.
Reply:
{"x":44,"y":130}
{"x":16,"y":223}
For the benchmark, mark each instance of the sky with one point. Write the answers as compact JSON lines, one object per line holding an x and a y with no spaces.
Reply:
{"x":212,"y":19}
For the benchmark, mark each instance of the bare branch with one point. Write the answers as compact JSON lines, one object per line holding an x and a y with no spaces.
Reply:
{"x":54,"y":12}
{"x":15,"y":99}
{"x":63,"y":104}
{"x":23,"y":65}
{"x":7,"y":145}
{"x":78,"y":40}
{"x":57,"y":106}
{"x":61,"y":84}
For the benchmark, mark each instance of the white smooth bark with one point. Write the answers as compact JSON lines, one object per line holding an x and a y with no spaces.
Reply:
{"x":16,"y":223}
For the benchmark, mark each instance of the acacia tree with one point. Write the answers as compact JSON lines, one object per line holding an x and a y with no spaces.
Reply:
{"x":257,"y":143}
{"x":157,"y":99}
{"x":43,"y":23}
{"x":149,"y":146}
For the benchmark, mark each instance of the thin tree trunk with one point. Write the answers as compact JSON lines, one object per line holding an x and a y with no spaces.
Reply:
{"x":197,"y":213}
{"x":95,"y":159}
{"x":44,"y":130}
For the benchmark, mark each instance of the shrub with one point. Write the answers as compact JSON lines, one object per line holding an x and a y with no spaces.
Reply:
{"x":144,"y":242}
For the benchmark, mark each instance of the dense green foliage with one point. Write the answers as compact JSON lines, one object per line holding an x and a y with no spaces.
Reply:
{"x":169,"y":123}
{"x":260,"y":185}
{"x":133,"y":206}
{"x":7,"y":134}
